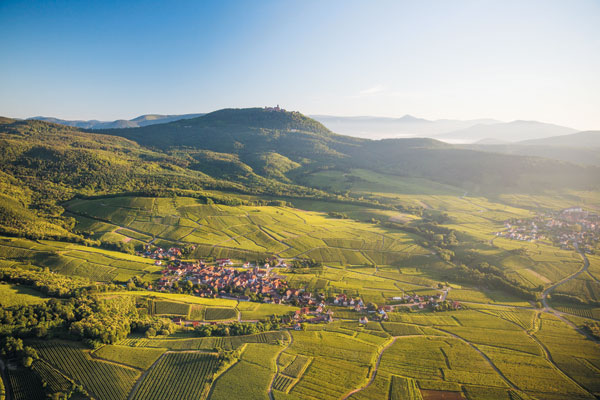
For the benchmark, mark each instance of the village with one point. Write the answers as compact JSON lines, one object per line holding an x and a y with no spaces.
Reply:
{"x":249,"y":282}
{"x":564,"y":229}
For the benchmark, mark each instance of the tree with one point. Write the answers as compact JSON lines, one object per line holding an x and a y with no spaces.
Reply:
{"x":151,"y":332}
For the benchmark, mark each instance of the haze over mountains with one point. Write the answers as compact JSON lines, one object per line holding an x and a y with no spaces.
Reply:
{"x":580,"y":147}
{"x":387,"y":128}
{"x":142,"y":120}
{"x":514,"y":131}
{"x":476,"y":131}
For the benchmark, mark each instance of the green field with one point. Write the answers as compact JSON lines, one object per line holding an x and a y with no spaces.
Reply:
{"x":218,"y":313}
{"x":16,"y":295}
{"x":499,"y":346}
{"x":72,"y":259}
{"x":250,"y":376}
{"x":137,"y":357}
{"x":103,"y":379}
{"x":248,"y":232}
{"x":179,"y":375}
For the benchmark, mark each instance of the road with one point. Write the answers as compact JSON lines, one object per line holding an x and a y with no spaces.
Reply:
{"x":374,"y":371}
{"x":546,"y":292}
{"x":559,"y":314}
{"x":547,"y":355}
{"x":485,"y":357}
{"x":277,"y":366}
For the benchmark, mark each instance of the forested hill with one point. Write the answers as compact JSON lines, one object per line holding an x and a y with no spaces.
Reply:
{"x":273,"y":143}
{"x":232,"y":130}
{"x":475,"y":171}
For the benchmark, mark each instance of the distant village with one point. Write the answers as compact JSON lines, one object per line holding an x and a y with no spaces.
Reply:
{"x":250,"y":282}
{"x":563,"y":228}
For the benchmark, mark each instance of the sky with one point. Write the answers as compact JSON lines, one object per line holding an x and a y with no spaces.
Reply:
{"x":106,"y":60}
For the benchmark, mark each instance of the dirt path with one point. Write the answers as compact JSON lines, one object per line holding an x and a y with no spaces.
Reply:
{"x":545,"y":351}
{"x":374,"y":371}
{"x":508,"y":381}
{"x":560,"y":314}
{"x":143,"y":376}
{"x":263,"y":230}
{"x":546,"y":292}
{"x":277,"y":366}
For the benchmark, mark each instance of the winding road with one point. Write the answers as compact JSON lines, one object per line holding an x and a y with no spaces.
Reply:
{"x":374,"y":370}
{"x":546,"y":292}
{"x":277,"y":366}
{"x":559,"y":314}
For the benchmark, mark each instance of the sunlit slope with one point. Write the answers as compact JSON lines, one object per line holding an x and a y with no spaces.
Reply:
{"x":245,"y":230}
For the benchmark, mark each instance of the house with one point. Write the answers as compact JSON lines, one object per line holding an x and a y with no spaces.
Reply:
{"x":363,"y":320}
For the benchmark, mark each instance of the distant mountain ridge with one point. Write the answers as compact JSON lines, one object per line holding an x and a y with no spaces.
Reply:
{"x":142,"y":120}
{"x":580,"y":139}
{"x":514,"y":131}
{"x":387,"y":128}
{"x":479,"y":131}
{"x":578,"y":148}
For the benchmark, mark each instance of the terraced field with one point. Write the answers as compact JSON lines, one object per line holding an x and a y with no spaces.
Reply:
{"x":204,"y":309}
{"x":136,"y":357}
{"x":205,"y":343}
{"x":73,"y":259}
{"x":251,"y":376}
{"x":247,"y":232}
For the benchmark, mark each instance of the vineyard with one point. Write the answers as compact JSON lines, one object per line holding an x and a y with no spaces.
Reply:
{"x":136,"y":357}
{"x":251,"y":376}
{"x":297,"y":366}
{"x":178,"y":376}
{"x":56,"y":381}
{"x":77,"y":260}
{"x":164,"y":307}
{"x":106,"y":381}
{"x":25,"y":384}
{"x":206,"y":343}
{"x":497,"y":342}
{"x":244,"y":232}
{"x":585,"y":312}
{"x":282,"y":383}
{"x":216,"y":314}
{"x":404,"y":389}
{"x":292,"y":368}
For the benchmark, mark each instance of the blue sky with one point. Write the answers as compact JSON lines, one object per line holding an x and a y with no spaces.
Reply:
{"x":434,"y":59}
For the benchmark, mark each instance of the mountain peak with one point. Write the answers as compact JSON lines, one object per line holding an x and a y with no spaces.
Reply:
{"x":266,"y":118}
{"x":411,"y":118}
